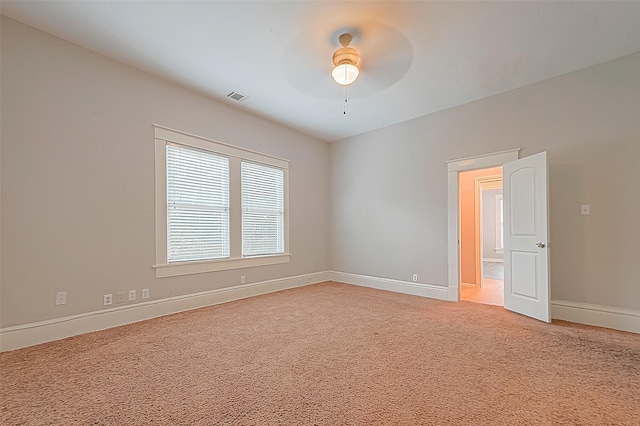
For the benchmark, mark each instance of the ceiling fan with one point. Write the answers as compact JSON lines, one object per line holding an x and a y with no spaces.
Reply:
{"x":373,"y":53}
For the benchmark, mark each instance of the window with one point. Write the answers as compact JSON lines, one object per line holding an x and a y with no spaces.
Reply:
{"x":218,"y":207}
{"x":197,"y":205}
{"x":262,"y":210}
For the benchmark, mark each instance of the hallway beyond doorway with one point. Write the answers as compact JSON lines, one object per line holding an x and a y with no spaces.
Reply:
{"x":492,"y":290}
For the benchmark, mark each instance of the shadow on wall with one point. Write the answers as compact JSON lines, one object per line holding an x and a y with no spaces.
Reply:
{"x":566,"y":228}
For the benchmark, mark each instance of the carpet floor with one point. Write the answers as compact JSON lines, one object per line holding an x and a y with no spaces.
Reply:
{"x":329,"y":354}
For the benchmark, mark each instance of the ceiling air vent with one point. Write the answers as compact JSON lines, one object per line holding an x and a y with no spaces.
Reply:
{"x":237,"y":96}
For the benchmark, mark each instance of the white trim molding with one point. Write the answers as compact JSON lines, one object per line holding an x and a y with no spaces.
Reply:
{"x":186,"y":268}
{"x":236,"y":156}
{"x":483,"y":161}
{"x":25,"y":335}
{"x":406,"y":287}
{"x":598,"y":315}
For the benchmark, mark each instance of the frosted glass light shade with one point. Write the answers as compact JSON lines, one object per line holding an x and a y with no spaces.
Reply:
{"x":344,"y":74}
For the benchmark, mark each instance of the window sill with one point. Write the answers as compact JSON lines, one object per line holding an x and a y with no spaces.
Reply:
{"x":187,"y":268}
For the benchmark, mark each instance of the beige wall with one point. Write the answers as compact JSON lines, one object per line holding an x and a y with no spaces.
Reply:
{"x":389,"y":187}
{"x":78,"y":178}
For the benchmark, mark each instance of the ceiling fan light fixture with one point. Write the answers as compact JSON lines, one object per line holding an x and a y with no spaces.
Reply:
{"x":345,"y":60}
{"x":345,"y":74}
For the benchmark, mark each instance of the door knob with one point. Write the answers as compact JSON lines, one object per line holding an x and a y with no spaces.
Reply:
{"x":541,"y":245}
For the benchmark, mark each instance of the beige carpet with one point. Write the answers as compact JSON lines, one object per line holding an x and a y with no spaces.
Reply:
{"x":329,"y":354}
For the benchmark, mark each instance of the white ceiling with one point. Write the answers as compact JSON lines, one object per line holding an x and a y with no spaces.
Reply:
{"x":416,"y":57}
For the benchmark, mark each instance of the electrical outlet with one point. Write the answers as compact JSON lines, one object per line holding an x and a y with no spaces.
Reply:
{"x":415,"y":277}
{"x":108,"y":299}
{"x":61,"y":298}
{"x":132,"y":295}
{"x":242,"y":280}
{"x":145,"y":293}
{"x":120,"y":297}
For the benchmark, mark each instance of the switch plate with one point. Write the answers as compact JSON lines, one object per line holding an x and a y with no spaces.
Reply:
{"x":585,"y":209}
{"x":61,"y":298}
{"x":132,"y":295}
{"x":107,"y":299}
{"x":243,"y":280}
{"x":145,"y":293}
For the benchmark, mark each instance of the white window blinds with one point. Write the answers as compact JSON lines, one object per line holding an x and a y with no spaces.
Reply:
{"x":262,"y":209}
{"x":197,"y":205}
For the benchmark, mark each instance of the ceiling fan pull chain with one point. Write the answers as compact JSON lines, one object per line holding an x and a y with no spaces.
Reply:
{"x":344,"y":111}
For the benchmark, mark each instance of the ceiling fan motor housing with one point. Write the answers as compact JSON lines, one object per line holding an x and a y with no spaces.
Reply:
{"x":347,"y":55}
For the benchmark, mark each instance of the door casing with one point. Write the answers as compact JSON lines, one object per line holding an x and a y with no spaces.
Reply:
{"x":453,"y":168}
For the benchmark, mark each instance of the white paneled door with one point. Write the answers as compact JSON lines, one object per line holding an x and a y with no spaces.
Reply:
{"x":526,"y":236}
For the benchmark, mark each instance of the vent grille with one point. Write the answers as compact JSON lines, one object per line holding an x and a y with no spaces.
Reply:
{"x":237,"y":96}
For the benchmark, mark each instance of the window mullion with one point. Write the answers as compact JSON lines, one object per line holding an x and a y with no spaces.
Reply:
{"x":235,"y":208}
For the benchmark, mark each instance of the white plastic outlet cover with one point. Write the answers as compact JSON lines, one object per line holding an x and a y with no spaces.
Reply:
{"x":61,"y":298}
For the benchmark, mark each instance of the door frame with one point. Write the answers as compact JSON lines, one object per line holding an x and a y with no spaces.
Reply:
{"x":484,"y":161}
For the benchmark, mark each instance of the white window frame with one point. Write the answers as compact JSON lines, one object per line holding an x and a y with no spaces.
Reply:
{"x":236,"y":155}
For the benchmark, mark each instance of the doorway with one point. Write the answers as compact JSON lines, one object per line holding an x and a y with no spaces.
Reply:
{"x":481,"y":236}
{"x":526,"y":230}
{"x":454,"y":169}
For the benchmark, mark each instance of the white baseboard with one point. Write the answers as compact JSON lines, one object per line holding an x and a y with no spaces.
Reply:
{"x":598,"y":315}
{"x":22,"y":336}
{"x":407,"y":287}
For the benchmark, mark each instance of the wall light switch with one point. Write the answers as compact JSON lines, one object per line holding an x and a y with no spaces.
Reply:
{"x":585,"y":209}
